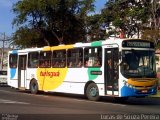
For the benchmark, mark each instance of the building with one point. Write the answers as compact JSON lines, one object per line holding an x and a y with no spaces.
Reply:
{"x":4,"y":57}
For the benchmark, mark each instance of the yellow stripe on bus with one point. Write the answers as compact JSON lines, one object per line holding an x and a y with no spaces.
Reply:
{"x":61,"y":47}
{"x":139,"y":82}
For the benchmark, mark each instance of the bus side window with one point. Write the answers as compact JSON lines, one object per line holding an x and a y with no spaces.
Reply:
{"x":13,"y":60}
{"x":33,"y":59}
{"x":75,"y":57}
{"x":69,"y":58}
{"x":93,"y":57}
{"x":45,"y":59}
{"x":59,"y":59}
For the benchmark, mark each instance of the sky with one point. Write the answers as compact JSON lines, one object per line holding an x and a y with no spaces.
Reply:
{"x":6,"y":15}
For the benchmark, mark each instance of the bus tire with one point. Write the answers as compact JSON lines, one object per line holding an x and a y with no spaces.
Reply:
{"x":34,"y":87}
{"x":92,"y":92}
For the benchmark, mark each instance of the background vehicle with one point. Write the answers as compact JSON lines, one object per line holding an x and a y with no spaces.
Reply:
{"x":94,"y":69}
{"x":3,"y":77}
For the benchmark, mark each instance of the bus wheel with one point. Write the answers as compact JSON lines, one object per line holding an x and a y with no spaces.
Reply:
{"x":92,"y":92}
{"x":34,"y":87}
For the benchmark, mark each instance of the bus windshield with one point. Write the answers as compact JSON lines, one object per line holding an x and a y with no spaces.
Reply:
{"x":138,"y":63}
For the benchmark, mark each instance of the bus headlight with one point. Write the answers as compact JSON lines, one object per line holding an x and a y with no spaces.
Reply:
{"x":128,"y":85}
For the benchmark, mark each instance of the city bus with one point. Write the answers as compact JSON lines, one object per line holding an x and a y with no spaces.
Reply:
{"x":120,"y":68}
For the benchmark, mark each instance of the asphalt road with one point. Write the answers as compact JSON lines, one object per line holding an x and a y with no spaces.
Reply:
{"x":20,"y":105}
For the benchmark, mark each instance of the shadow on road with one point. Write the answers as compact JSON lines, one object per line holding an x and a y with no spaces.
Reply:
{"x":143,"y":101}
{"x":134,"y":101}
{"x":130,"y":101}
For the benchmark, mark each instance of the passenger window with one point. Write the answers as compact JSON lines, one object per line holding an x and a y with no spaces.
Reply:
{"x":59,"y":59}
{"x":13,"y":60}
{"x":45,"y":59}
{"x":33,"y":60}
{"x":75,"y":58}
{"x":93,"y":57}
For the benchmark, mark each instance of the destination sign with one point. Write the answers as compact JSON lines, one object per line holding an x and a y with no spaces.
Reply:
{"x":138,"y":44}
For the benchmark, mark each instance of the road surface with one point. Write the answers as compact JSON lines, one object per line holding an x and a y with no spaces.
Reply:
{"x":20,"y":105}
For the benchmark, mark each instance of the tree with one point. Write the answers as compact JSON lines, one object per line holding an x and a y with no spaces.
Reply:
{"x":127,"y":15}
{"x":153,"y":31}
{"x":25,"y":37}
{"x":155,"y":14}
{"x":54,"y":21}
{"x":95,"y":27}
{"x":152,"y":35}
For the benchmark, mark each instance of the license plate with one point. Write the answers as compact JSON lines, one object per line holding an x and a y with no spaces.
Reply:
{"x":144,"y":91}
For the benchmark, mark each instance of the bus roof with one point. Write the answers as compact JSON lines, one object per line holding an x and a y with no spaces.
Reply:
{"x":111,"y":40}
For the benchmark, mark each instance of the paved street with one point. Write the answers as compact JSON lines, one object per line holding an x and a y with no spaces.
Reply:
{"x":23,"y":105}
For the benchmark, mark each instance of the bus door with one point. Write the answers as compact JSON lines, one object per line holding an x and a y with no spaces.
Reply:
{"x":111,"y":71}
{"x":22,"y":71}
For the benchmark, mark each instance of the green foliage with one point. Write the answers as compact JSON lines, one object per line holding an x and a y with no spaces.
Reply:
{"x":51,"y":22}
{"x":118,"y":23}
{"x":25,"y":37}
{"x":55,"y":21}
{"x":126,"y":14}
{"x":153,"y":35}
{"x":93,"y":27}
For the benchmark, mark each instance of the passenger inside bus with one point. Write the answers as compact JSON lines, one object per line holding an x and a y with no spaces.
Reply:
{"x":126,"y":66}
{"x":79,"y":64}
{"x":47,"y":63}
{"x":70,"y":64}
{"x":62,"y":64}
{"x":86,"y":63}
{"x":56,"y":64}
{"x":109,"y":64}
{"x":97,"y":63}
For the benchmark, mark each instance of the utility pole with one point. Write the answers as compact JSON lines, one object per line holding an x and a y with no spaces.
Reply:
{"x":2,"y":49}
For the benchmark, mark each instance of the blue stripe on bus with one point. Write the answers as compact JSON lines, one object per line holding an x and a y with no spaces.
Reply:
{"x":13,"y":72}
{"x":127,"y":91}
{"x":14,"y":51}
